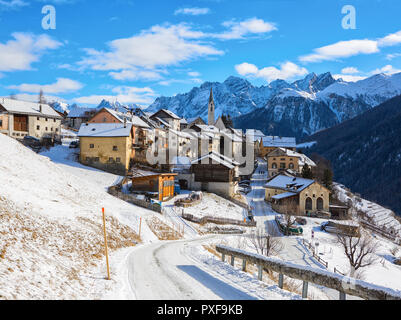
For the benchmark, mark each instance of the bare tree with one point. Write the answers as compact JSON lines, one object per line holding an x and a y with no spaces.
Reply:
{"x":289,"y":211}
{"x":267,"y":242}
{"x":358,"y":250}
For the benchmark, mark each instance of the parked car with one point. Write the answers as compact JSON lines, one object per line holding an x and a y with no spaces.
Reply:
{"x":31,"y":141}
{"x":74,"y":144}
{"x":245,"y":190}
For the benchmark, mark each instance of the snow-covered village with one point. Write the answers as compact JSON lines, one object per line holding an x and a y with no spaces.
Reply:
{"x":260,"y":186}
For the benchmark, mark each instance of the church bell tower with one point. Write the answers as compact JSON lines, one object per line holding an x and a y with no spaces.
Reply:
{"x":210,"y":117}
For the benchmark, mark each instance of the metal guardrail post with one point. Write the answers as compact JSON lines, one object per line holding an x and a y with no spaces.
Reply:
{"x":223,"y":257}
{"x":305,"y":290}
{"x":342,"y":296}
{"x":232,"y":261}
{"x":260,"y":272}
{"x":281,"y":281}
{"x":244,"y":265}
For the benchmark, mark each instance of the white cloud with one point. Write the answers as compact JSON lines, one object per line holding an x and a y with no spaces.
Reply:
{"x":390,"y":40}
{"x":392,"y":56}
{"x":342,"y":49}
{"x":194,"y":74}
{"x":25,"y":49}
{"x":123,"y":94}
{"x":62,"y":85}
{"x":388,"y":69}
{"x":349,"y":77}
{"x":192,"y":11}
{"x":352,"y":74}
{"x":350,"y":70}
{"x":35,"y":97}
{"x":136,"y":74}
{"x":246,"y":69}
{"x":237,"y":30}
{"x":160,"y":46}
{"x":12,"y":4}
{"x":287,"y":70}
{"x":345,"y":49}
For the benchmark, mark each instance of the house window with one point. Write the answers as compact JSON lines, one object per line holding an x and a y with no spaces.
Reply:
{"x":97,"y":159}
{"x":282,"y":165}
{"x":291,"y":166}
{"x":308,"y":204}
{"x":54,"y":120}
{"x":37,"y":118}
{"x":87,"y":159}
{"x":1,"y":123}
{"x":51,"y":129}
{"x":46,"y":119}
{"x":319,"y":203}
{"x":104,"y":119}
{"x":118,"y":160}
{"x":111,"y":159}
{"x":274,"y":165}
{"x":37,"y":127}
{"x":115,"y":148}
{"x":46,"y":128}
{"x":56,"y":129}
{"x":91,"y":146}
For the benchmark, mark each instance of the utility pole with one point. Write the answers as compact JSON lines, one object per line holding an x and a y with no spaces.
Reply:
{"x":105,"y":245}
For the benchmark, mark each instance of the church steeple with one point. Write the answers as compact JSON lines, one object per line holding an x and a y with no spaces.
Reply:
{"x":211,"y":107}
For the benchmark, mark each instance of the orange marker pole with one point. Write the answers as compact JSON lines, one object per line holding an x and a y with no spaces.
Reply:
{"x":140,"y":226}
{"x":105,"y":245}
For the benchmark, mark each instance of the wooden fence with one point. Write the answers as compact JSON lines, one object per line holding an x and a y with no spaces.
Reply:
{"x":383,"y":233}
{"x":343,"y":284}
{"x":312,"y":249}
{"x":217,"y":220}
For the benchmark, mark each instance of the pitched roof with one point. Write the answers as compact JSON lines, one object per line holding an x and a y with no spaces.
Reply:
{"x":104,"y":130}
{"x":168,"y":112}
{"x":284,"y":195}
{"x":273,"y":141}
{"x":219,"y":158}
{"x":135,"y":120}
{"x":290,"y":184}
{"x":79,"y":112}
{"x":303,"y":159}
{"x":29,"y":108}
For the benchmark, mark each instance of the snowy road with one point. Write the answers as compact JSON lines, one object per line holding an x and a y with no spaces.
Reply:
{"x":181,"y":270}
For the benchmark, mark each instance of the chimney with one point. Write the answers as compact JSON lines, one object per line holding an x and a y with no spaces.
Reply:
{"x":40,"y":108}
{"x":125,"y":122}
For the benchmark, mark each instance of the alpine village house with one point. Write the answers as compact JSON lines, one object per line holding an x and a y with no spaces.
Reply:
{"x":21,"y":118}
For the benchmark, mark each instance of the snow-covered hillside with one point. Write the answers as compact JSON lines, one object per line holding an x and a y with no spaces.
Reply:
{"x":51,"y":244}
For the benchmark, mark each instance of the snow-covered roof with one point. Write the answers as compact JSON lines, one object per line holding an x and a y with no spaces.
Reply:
{"x":284,"y":195}
{"x":207,"y":128}
{"x":104,"y":130}
{"x":183,"y":121}
{"x":79,"y":112}
{"x":303,"y":159}
{"x":219,"y":158}
{"x":273,"y":141}
{"x":135,"y":120}
{"x":169,"y":113}
{"x":291,"y":184}
{"x":29,"y":108}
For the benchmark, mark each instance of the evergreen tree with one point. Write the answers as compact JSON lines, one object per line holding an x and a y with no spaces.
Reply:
{"x":328,"y":178}
{"x":306,"y":172}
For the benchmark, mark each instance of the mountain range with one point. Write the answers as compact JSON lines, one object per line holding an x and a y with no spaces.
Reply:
{"x":365,"y":153}
{"x":297,"y":109}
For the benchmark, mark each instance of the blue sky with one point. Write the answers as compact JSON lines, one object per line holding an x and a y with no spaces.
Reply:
{"x":135,"y":51}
